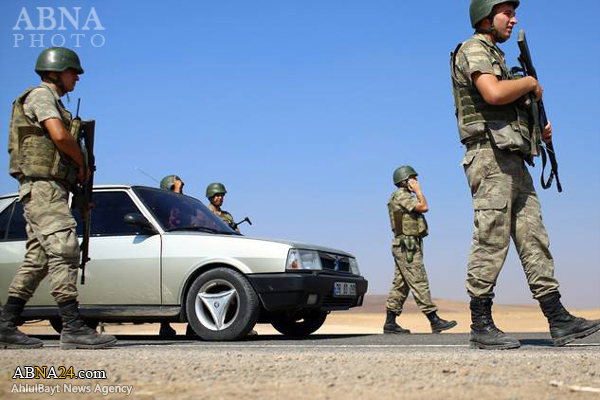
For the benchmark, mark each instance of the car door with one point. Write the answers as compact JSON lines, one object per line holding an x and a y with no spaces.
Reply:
{"x":124,"y":266}
{"x":12,"y":241}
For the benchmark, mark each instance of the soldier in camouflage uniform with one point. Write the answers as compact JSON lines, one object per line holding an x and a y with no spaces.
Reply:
{"x":406,"y":207}
{"x":494,"y":127}
{"x":215,"y":193}
{"x":47,"y":162}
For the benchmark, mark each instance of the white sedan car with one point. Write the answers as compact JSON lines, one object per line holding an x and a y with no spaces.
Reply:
{"x":159,"y":256}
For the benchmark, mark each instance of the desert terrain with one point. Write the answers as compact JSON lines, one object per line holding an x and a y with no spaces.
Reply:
{"x":346,"y":358}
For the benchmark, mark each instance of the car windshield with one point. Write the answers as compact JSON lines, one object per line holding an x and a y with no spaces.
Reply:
{"x":177,"y":212}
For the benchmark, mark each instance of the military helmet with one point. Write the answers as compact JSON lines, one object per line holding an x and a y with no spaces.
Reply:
{"x":481,"y":9}
{"x":57,"y":59}
{"x":168,"y":182}
{"x":215,"y":188}
{"x":403,"y":173}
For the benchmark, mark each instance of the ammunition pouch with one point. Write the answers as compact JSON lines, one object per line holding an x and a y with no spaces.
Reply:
{"x":509,"y":136}
{"x":32,"y":152}
{"x":38,"y":157}
{"x":409,"y":224}
{"x":507,"y":125}
{"x":409,"y":245}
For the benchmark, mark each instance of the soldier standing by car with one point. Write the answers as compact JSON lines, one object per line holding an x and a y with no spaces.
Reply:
{"x":215,"y":193}
{"x":174,"y":184}
{"x":494,"y":126}
{"x":406,"y":207}
{"x":47,"y":161}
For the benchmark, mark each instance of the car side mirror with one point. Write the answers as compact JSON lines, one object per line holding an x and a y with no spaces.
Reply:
{"x":138,"y":220}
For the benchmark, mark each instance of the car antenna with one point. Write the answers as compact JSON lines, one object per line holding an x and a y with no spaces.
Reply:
{"x":147,"y":174}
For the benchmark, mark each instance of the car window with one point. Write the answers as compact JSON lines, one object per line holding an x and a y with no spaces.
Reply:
{"x":12,"y":223}
{"x":6,"y":202}
{"x":4,"y":219}
{"x":16,"y":227}
{"x":176,"y":211}
{"x":107,"y":215}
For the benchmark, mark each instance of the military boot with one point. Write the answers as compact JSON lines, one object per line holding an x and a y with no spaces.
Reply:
{"x":10,"y":336}
{"x":166,"y":331}
{"x":438,"y":324}
{"x":76,"y":334}
{"x":484,"y":333}
{"x":564,"y":327}
{"x":391,"y":326}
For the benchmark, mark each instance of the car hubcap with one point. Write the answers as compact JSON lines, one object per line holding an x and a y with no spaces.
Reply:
{"x":217,"y":304}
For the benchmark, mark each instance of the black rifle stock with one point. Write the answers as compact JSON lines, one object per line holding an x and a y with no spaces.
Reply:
{"x":538,"y":113}
{"x":84,"y":132}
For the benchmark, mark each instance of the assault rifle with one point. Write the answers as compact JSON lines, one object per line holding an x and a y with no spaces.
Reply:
{"x":538,"y":117}
{"x":83,"y":131}
{"x":236,"y":224}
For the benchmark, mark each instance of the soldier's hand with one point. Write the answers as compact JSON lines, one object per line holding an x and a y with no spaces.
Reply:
{"x":83,"y":174}
{"x":414,"y":186}
{"x":547,"y":133}
{"x":537,"y":90}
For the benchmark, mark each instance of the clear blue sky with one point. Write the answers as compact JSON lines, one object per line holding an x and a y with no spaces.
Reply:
{"x":304,"y":108}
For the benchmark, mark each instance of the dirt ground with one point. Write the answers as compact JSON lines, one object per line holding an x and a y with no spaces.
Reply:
{"x":357,"y":367}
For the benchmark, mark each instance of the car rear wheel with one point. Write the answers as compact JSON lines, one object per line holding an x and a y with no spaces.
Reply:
{"x":300,"y":324}
{"x":222,"y":305}
{"x":57,"y":324}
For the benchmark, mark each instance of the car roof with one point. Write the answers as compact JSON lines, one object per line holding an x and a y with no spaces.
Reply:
{"x":105,"y":186}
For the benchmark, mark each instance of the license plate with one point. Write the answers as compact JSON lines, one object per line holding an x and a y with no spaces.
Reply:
{"x":344,"y":289}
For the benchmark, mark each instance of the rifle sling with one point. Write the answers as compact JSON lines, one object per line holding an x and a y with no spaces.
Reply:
{"x":553,"y":172}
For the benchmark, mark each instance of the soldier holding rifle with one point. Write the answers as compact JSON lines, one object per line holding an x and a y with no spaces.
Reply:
{"x":47,"y":160}
{"x":497,"y":129}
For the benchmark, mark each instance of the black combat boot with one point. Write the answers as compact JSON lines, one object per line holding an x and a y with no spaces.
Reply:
{"x":437,"y":324}
{"x":166,"y":331}
{"x":391,"y":326}
{"x":484,"y":333}
{"x":76,"y":334}
{"x":564,"y":327}
{"x":10,"y":336}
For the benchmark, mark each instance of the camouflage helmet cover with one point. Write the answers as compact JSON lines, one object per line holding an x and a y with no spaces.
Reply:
{"x":57,"y":59}
{"x":215,"y":188}
{"x":480,"y":9}
{"x":168,"y":181}
{"x":403,"y":173}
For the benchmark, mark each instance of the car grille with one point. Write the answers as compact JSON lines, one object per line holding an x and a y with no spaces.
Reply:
{"x":336,"y":263}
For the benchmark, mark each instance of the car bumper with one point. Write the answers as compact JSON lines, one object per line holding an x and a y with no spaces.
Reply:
{"x":289,"y":291}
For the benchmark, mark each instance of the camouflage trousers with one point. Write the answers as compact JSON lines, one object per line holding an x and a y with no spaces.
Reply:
{"x":52,"y":246}
{"x":505,"y":205}
{"x":407,"y":277}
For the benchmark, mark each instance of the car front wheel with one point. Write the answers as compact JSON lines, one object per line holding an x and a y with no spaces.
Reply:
{"x":222,"y":305}
{"x":300,"y":324}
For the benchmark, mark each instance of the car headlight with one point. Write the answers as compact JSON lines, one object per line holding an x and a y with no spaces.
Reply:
{"x":354,"y":266}
{"x":303,"y":259}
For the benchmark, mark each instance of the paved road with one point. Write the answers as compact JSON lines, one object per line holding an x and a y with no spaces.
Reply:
{"x":529,"y":341}
{"x":419,"y":366}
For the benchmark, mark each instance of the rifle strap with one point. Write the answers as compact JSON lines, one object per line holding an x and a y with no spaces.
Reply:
{"x":553,"y":173}
{"x":548,"y":183}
